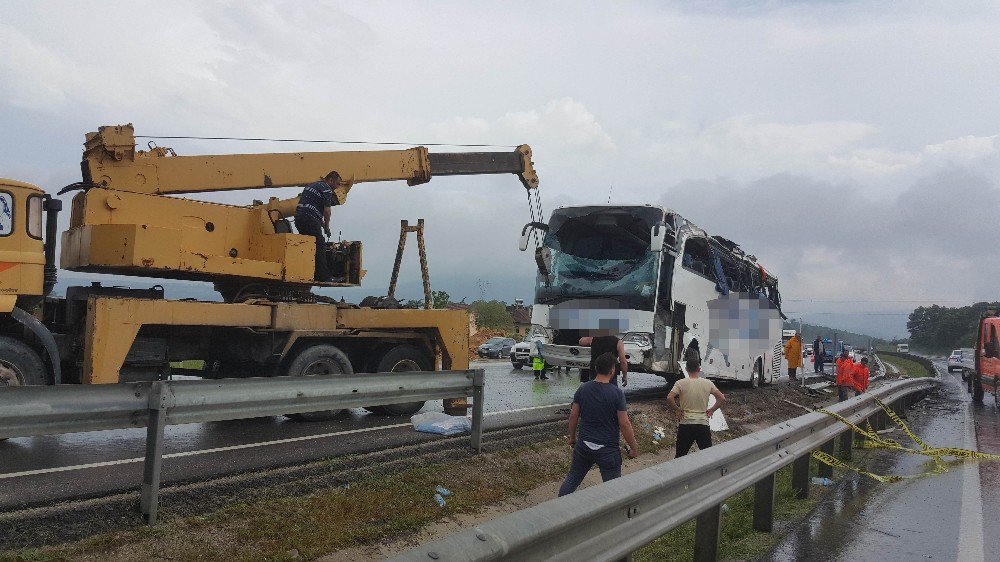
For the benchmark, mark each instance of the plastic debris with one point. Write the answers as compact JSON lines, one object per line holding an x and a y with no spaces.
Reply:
{"x":659,"y":433}
{"x":440,"y":500}
{"x":441,"y":423}
{"x":443,"y":491}
{"x":821,"y":481}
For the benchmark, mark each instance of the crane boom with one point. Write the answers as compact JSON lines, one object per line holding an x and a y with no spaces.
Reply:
{"x":124,"y":222}
{"x":111,"y":161}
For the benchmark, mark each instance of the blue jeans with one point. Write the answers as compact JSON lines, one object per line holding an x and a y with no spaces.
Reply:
{"x":608,"y":460}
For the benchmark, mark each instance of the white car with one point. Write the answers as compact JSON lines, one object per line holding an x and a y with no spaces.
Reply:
{"x":520,"y":354}
{"x":955,"y":361}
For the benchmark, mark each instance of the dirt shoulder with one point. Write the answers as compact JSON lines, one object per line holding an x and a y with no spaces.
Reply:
{"x":377,"y":505}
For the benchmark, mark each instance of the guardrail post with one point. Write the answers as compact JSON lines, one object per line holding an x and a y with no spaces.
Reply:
{"x":800,"y":476}
{"x":478,"y":399}
{"x":846,"y":443}
{"x":159,"y":401}
{"x":825,"y":470}
{"x":763,"y":504}
{"x":707,"y":529}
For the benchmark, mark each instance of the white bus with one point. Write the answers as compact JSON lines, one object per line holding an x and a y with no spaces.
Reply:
{"x":663,"y":285}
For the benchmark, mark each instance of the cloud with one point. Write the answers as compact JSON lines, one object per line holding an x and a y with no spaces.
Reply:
{"x":833,"y":242}
{"x":749,"y":145}
{"x":561,"y":123}
{"x":847,"y":135}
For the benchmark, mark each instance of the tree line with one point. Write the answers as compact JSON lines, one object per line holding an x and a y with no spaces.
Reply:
{"x":942,"y":328}
{"x":492,"y":315}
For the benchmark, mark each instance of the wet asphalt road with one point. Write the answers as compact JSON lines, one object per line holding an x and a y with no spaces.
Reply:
{"x":950,"y":516}
{"x":33,"y":471}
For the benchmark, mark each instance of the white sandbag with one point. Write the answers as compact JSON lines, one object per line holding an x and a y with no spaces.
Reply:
{"x":441,"y":423}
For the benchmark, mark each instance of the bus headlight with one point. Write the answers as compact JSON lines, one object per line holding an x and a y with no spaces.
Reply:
{"x":638,"y":338}
{"x":539,"y":332}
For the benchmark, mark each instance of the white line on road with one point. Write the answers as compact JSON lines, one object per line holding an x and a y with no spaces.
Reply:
{"x":199,"y":452}
{"x":243,"y":446}
{"x":970,"y":534}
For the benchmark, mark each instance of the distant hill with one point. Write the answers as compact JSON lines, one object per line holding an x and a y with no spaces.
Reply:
{"x":810,"y":331}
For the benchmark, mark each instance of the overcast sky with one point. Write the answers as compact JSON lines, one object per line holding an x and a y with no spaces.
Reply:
{"x":852,"y":146}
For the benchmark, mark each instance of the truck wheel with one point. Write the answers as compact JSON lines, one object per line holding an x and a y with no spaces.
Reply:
{"x":320,"y":359}
{"x":400,"y":359}
{"x":19,"y":364}
{"x":516,"y":365}
{"x":977,"y":388}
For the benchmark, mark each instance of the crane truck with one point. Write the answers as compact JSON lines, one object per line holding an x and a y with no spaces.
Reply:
{"x":127,"y":218}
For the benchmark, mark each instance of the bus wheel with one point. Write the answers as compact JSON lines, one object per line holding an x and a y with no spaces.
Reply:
{"x":399,"y":359}
{"x":19,"y":364}
{"x":977,"y":388}
{"x":320,"y":359}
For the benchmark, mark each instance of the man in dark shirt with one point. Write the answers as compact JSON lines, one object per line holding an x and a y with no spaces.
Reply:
{"x":599,"y":345}
{"x":600,"y":411}
{"x":312,"y":217}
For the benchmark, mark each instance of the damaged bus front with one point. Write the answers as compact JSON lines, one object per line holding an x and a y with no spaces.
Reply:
{"x":646,"y":275}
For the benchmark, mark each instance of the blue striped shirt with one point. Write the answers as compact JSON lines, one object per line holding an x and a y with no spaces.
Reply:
{"x":316,"y":197}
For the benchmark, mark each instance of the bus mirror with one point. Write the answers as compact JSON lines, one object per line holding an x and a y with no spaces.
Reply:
{"x":526,"y":232}
{"x":656,"y":237}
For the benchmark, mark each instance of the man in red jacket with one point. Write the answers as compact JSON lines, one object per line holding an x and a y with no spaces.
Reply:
{"x":861,"y":376}
{"x":844,"y":368}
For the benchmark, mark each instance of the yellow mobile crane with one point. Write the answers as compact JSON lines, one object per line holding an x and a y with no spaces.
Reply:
{"x":127,"y":220}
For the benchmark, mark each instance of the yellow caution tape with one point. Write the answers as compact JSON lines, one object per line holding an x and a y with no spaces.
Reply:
{"x":872,"y":440}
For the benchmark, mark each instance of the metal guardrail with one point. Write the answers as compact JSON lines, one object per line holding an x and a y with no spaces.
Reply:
{"x":610,"y":521}
{"x":27,"y":411}
{"x":880,"y":370}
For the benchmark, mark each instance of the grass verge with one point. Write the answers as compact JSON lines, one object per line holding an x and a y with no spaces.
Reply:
{"x":907,"y":367}
{"x":329,"y":519}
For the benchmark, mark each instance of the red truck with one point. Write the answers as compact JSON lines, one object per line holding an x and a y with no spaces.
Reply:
{"x":987,"y":365}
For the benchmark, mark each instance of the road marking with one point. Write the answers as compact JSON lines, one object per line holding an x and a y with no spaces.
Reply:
{"x":527,"y":409}
{"x":970,"y":533}
{"x":239,"y":447}
{"x":199,"y":452}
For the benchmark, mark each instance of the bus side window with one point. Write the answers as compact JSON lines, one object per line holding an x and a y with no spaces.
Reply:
{"x":697,"y":257}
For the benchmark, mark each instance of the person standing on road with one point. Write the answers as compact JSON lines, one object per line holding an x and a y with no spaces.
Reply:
{"x":860,"y":376}
{"x":793,"y":354}
{"x":844,"y":368}
{"x":599,"y":345}
{"x":689,"y":400}
{"x":600,"y":411}
{"x":817,"y":355}
{"x":312,"y":216}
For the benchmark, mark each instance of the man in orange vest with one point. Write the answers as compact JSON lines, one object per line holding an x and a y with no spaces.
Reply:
{"x":844,"y":368}
{"x":793,"y":354}
{"x":861,"y":376}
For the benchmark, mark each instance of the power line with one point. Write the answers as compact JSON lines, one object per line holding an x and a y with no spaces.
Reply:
{"x":326,"y":141}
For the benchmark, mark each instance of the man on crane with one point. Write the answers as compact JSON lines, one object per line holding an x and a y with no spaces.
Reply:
{"x":312,"y":216}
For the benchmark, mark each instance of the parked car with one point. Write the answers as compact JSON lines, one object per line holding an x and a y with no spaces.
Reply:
{"x":520,"y":354}
{"x":496,"y":347}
